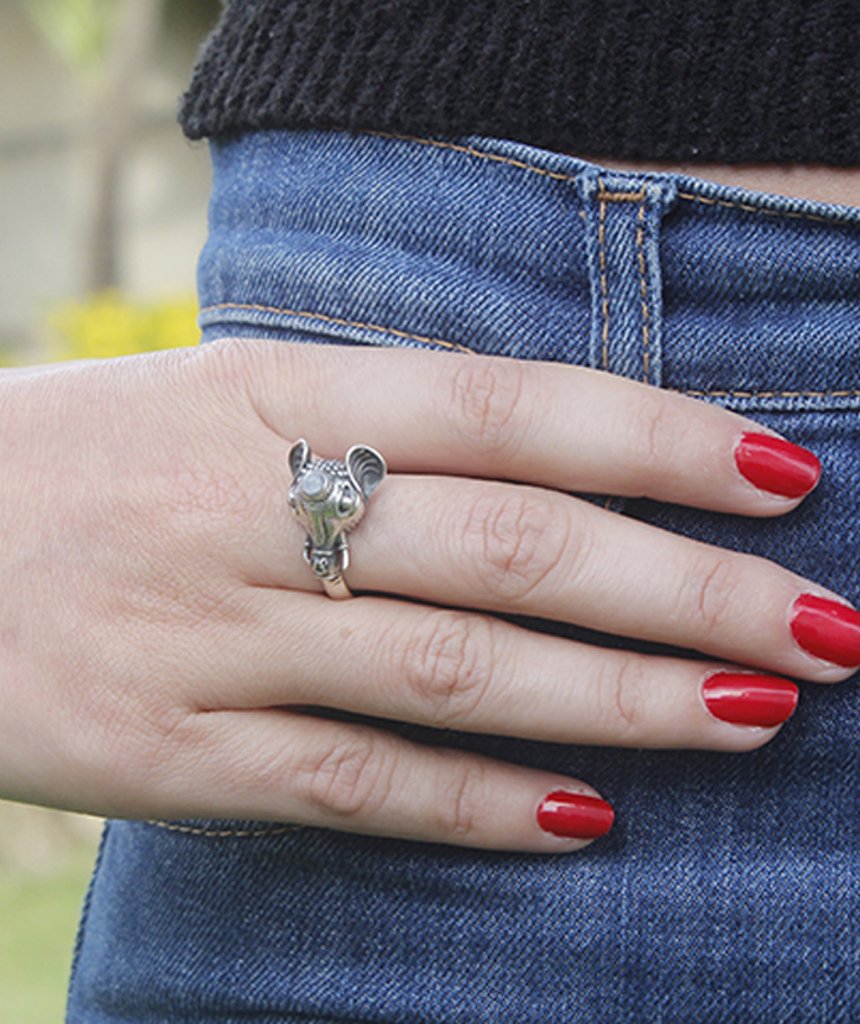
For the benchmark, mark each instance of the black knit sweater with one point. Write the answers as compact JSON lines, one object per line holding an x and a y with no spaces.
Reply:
{"x":700,"y":80}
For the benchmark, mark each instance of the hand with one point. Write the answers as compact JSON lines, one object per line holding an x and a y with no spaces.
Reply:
{"x":159,"y":629}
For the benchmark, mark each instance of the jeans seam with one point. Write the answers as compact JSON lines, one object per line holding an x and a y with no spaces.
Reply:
{"x":604,"y":196}
{"x":561,"y":176}
{"x":827,"y":393}
{"x":310,"y":315}
{"x":601,"y":257}
{"x":223,"y":833}
{"x":846,"y":393}
{"x":643,"y":283}
{"x":711,"y":201}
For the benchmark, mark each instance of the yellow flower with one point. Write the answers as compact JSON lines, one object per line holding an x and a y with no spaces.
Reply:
{"x":109,"y":324}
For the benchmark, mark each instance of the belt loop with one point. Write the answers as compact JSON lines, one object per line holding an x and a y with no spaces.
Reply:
{"x":623,"y":218}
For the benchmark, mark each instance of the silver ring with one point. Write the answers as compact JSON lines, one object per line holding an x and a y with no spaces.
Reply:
{"x":328,"y":498}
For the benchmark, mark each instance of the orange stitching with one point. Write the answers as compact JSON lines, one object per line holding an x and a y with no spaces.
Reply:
{"x":336,"y":320}
{"x":223,"y":833}
{"x":480,"y":154}
{"x":601,"y":255}
{"x":755,"y":209}
{"x":470,"y":151}
{"x":619,"y":197}
{"x":601,"y":250}
{"x":644,"y":289}
{"x":604,"y":196}
{"x":774,"y":394}
{"x":451,"y":344}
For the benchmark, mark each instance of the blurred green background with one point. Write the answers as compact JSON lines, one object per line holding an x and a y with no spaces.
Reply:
{"x":103,"y":214}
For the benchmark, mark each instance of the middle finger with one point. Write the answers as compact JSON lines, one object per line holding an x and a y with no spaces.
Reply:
{"x":532,"y":551}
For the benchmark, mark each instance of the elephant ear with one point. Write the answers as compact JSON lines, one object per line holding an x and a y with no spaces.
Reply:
{"x":366,"y":468}
{"x":299,"y":456}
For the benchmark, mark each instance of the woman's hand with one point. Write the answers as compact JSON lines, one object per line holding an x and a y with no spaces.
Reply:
{"x":157,"y":620}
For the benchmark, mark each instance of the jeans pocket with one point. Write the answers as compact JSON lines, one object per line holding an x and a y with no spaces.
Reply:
{"x":282,"y":323}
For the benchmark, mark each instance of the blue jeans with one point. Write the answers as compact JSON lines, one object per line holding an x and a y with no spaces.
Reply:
{"x":728,"y":890}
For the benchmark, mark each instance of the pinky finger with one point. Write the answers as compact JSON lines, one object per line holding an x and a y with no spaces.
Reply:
{"x":279,"y":765}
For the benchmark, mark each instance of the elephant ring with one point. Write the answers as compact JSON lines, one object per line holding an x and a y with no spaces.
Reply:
{"x":328,"y":498}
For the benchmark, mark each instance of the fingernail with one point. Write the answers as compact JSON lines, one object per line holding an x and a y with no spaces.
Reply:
{"x":575,"y":815}
{"x":745,"y":698}
{"x":828,"y":629}
{"x":777,"y":466}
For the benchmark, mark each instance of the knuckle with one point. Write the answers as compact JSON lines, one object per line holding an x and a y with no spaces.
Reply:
{"x":350,"y":777}
{"x":653,"y":425}
{"x":623,"y":697}
{"x":249,"y":371}
{"x":465,"y":793}
{"x":486,"y":401}
{"x":514,"y":543}
{"x":448,"y":664}
{"x":225,"y":361}
{"x":709,"y":592}
{"x":178,"y":736}
{"x":147,"y":745}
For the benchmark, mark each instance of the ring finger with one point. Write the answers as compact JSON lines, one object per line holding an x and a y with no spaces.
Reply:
{"x":462,"y":670}
{"x":534,"y":551}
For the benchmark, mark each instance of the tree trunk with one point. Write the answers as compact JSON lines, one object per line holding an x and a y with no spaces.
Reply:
{"x":115,"y":121}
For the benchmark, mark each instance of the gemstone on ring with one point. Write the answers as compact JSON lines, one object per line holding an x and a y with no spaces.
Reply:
{"x":328,"y":498}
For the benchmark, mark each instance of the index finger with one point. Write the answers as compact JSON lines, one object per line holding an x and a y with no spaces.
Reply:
{"x":552,"y":424}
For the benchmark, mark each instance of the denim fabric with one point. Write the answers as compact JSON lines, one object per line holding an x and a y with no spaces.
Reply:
{"x":728,"y":890}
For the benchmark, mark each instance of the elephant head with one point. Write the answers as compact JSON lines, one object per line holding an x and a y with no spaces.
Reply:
{"x":328,"y":498}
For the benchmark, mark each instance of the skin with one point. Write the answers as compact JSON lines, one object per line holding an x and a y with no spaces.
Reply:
{"x":802,"y":181}
{"x":159,"y":630}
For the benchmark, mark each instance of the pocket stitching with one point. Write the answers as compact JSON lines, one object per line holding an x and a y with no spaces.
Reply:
{"x":236,"y":833}
{"x":427,"y":339}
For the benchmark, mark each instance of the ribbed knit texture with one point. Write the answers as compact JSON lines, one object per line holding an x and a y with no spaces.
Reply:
{"x":701,"y":80}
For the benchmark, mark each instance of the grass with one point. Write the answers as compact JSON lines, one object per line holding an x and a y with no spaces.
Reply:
{"x":39,"y":915}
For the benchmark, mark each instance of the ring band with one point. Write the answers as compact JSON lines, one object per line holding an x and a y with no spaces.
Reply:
{"x":329,"y":498}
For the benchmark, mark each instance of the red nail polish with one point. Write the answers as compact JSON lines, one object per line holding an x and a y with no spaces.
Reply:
{"x":747,"y":698}
{"x":575,"y":815}
{"x":827,"y":629}
{"x":777,"y":466}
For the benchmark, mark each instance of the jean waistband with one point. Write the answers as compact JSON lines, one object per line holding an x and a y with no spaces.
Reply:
{"x":477,"y":244}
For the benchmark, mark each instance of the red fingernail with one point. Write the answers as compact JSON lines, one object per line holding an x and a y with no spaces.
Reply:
{"x":745,"y":698}
{"x":575,"y":815}
{"x":777,"y":466}
{"x":827,"y":629}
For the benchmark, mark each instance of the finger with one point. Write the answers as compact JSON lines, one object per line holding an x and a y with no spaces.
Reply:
{"x":467,"y":671}
{"x":532,"y":551}
{"x":284,"y":766}
{"x":562,"y":426}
